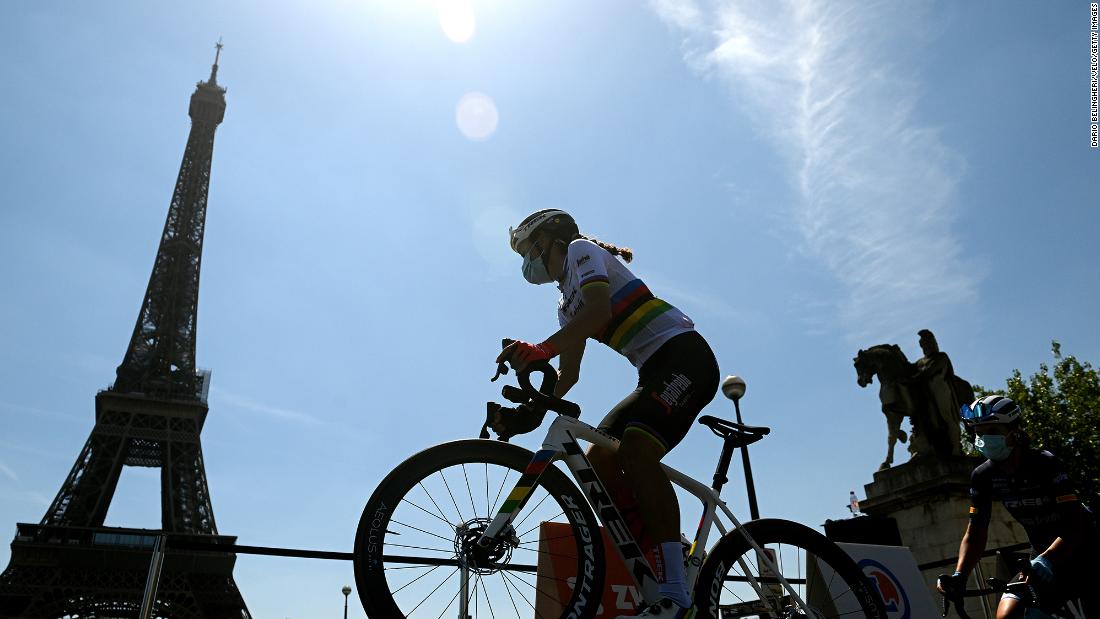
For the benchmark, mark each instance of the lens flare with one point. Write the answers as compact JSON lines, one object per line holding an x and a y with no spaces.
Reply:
{"x":476,"y":116}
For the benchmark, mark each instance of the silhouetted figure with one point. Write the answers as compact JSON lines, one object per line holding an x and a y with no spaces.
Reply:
{"x":943,"y":392}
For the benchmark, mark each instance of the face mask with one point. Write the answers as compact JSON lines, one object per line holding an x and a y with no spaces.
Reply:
{"x":993,"y":446}
{"x":534,"y":270}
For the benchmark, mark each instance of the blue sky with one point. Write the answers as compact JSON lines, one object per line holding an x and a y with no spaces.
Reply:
{"x":804,"y":179}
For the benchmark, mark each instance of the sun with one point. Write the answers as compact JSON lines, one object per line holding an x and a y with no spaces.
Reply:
{"x":456,"y":17}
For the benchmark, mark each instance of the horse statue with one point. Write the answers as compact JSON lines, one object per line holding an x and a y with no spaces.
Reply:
{"x":899,"y":398}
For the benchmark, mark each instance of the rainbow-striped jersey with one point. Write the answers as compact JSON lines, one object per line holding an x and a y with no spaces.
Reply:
{"x":640,"y":322}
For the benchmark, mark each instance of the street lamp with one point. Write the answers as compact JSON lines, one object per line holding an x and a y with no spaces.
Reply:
{"x":734,"y":388}
{"x":346,"y":591}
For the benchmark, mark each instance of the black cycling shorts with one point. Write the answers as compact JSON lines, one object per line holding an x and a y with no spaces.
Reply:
{"x":673,"y":386}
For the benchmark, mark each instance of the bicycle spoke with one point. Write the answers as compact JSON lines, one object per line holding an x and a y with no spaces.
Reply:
{"x":507,"y":589}
{"x":405,"y":524}
{"x":805,"y":587}
{"x":444,"y":478}
{"x":544,"y":579}
{"x":496,"y":501}
{"x":446,"y":608}
{"x":450,"y":551}
{"x":546,"y":553}
{"x":539,"y":590}
{"x":434,"y":568}
{"x":476,"y":599}
{"x":473,"y":596}
{"x":734,"y":593}
{"x":536,"y":541}
{"x":447,"y":522}
{"x":442,"y":515}
{"x":433,"y":592}
{"x":469,"y":491}
{"x":792,"y":563}
{"x":488,"y":602}
{"x":512,"y":577}
{"x":551,"y":519}
{"x":531,"y":510}
{"x":431,"y":568}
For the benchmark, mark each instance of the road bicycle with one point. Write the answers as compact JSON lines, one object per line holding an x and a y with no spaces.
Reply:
{"x":1028,"y":594}
{"x":485,"y":529}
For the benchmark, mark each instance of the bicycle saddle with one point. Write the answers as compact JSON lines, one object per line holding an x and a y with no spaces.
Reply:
{"x":740,"y":434}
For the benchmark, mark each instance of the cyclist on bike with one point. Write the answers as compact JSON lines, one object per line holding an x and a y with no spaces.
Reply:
{"x":677,"y":376}
{"x":1035,"y":489}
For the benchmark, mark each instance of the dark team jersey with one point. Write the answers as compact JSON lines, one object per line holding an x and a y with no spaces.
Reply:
{"x":1038,"y":495}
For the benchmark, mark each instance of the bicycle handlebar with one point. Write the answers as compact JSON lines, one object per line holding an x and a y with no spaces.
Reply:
{"x":543,"y":397}
{"x":540,"y":398}
{"x":1021,"y":589}
{"x":956,"y":599}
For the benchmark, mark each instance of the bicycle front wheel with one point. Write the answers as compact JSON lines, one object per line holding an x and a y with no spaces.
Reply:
{"x":416,"y":550}
{"x":735,"y":581}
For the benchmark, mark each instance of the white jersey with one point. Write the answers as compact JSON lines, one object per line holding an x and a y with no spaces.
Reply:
{"x":640,"y":323}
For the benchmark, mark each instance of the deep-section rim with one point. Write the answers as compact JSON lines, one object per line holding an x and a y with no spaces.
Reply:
{"x":777,"y":531}
{"x":372,"y":586}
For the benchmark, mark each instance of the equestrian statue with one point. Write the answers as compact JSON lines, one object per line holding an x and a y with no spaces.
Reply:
{"x":927,"y":392}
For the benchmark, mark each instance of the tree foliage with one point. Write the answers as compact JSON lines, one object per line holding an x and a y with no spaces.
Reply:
{"x":1061,"y":413}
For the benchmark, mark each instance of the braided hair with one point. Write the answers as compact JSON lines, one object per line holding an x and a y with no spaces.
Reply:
{"x":625,"y":253}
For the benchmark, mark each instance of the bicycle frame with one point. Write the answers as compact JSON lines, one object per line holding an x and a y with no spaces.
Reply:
{"x":561,"y":440}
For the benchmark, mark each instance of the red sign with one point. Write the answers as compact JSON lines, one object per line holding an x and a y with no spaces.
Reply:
{"x":557,"y":571}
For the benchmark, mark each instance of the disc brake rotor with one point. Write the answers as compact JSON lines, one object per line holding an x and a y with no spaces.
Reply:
{"x":484,"y":559}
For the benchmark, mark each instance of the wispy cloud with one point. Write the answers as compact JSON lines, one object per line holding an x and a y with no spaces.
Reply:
{"x":877,"y":188}
{"x":249,"y":404}
{"x":55,"y":454}
{"x":22,"y":409}
{"x":23,"y":497}
{"x":672,"y":291}
{"x":8,"y":472}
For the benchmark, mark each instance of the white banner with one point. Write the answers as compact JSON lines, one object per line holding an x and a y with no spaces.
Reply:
{"x":894,"y":571}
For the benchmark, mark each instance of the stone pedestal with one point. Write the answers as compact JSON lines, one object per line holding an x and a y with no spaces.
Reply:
{"x":929,"y":499}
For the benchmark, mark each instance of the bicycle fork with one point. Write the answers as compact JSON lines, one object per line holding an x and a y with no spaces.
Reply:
{"x":633,"y":557}
{"x":496,"y":529}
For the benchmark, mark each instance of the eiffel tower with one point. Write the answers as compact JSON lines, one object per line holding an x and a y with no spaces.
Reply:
{"x":71,"y":566}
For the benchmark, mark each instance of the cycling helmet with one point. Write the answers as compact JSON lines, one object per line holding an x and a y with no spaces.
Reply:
{"x":989,"y":410}
{"x":556,"y":222}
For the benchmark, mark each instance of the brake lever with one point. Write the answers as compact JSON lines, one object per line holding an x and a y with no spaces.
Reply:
{"x":960,"y":609}
{"x":955,"y":600}
{"x":502,"y":368}
{"x":952,"y":596}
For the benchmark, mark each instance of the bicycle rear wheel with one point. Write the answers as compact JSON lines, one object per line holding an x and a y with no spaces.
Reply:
{"x":416,"y":552}
{"x":820,"y":573}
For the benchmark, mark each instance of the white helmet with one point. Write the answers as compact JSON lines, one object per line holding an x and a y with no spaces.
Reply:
{"x":992,"y":409}
{"x":556,"y":221}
